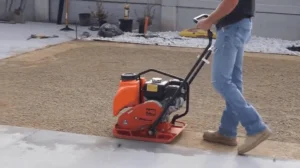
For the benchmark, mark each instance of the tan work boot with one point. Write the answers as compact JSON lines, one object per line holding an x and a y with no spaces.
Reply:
{"x":216,"y":137}
{"x":253,"y":141}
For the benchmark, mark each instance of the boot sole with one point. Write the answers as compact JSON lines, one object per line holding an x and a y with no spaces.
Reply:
{"x":223,"y":142}
{"x":264,"y":137}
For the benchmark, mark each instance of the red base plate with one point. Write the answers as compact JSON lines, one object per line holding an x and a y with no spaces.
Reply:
{"x":160,"y":137}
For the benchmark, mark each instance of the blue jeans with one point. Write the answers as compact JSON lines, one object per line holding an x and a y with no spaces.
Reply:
{"x":227,"y":79}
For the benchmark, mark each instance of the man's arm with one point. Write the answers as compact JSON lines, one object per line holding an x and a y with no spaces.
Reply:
{"x":224,"y":8}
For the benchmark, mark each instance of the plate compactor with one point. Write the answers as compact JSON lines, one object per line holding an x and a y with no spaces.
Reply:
{"x":149,"y":103}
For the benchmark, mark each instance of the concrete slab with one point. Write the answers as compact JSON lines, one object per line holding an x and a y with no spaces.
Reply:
{"x":32,"y":148}
{"x":10,"y":135}
{"x":14,"y":37}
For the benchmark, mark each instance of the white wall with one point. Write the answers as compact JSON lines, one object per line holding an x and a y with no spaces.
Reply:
{"x":41,"y":11}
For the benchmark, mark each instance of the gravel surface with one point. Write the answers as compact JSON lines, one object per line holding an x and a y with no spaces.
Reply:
{"x":70,"y":87}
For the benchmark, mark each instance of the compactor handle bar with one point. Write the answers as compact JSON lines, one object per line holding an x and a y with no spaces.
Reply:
{"x":186,"y":81}
{"x":204,"y":56}
{"x":209,"y":33}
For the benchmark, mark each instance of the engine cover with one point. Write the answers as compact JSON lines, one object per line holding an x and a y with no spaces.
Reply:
{"x":163,"y":90}
{"x":154,"y":89}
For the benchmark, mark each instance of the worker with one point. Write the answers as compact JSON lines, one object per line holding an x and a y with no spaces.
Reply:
{"x":233,"y":21}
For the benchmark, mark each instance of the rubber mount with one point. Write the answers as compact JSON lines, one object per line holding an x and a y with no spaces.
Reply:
{"x":128,"y":76}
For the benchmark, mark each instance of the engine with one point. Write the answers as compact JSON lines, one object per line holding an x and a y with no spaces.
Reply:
{"x":163,"y":90}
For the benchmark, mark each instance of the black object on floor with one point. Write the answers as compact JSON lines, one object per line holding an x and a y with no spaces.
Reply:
{"x":67,"y":28}
{"x":126,"y":25}
{"x":294,"y":48}
{"x":60,"y":11}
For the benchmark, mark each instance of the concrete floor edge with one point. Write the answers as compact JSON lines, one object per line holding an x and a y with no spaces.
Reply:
{"x":49,"y":137}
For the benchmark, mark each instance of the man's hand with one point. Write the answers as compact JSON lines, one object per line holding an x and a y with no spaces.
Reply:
{"x":224,"y":8}
{"x":204,"y":24}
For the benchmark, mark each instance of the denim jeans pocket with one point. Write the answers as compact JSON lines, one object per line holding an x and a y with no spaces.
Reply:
{"x":242,"y":35}
{"x":224,"y":39}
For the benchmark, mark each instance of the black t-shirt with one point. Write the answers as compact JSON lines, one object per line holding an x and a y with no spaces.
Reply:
{"x":244,"y":9}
